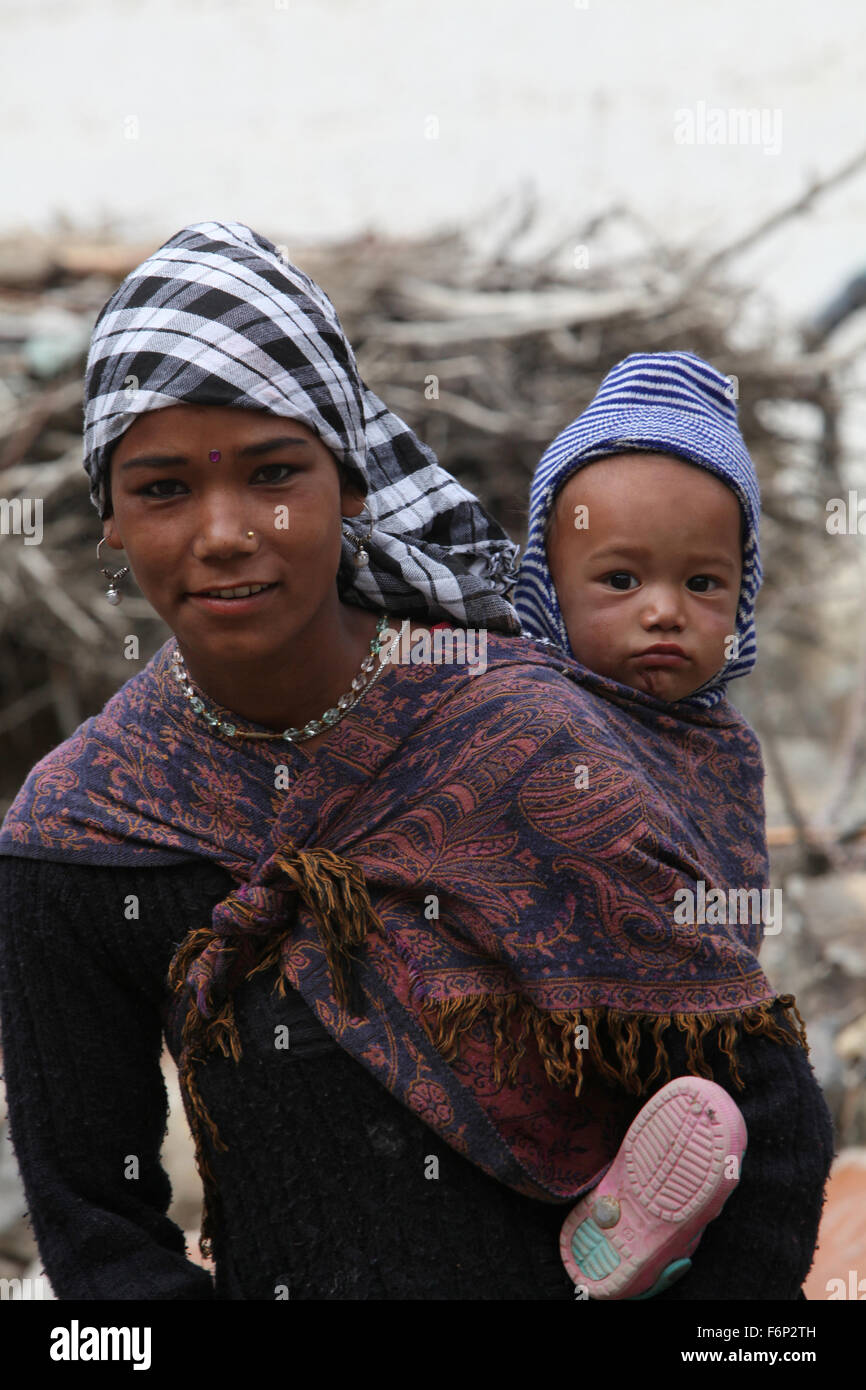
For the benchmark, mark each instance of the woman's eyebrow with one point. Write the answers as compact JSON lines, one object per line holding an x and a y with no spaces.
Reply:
{"x":286,"y":441}
{"x":250,"y":451}
{"x":155,"y":461}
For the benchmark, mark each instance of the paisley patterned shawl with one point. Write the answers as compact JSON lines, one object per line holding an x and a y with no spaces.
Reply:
{"x":450,"y":897}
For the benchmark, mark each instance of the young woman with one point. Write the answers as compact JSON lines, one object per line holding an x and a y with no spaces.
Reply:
{"x":347,"y":873}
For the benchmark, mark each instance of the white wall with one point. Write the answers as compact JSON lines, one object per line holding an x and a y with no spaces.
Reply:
{"x":310,"y":118}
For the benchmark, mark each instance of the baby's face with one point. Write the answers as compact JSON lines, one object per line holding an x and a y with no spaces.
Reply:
{"x":645,"y":553}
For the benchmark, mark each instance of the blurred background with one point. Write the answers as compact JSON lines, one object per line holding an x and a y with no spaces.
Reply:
{"x":502,"y":200}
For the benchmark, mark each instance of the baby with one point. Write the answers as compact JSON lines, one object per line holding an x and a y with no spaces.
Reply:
{"x":642,"y":557}
{"x":642,"y":562}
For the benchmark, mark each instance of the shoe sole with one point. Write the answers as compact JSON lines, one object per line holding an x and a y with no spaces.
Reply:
{"x":670,"y":1177}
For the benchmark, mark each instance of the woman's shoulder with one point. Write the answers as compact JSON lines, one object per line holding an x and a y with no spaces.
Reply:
{"x":473,"y":687}
{"x":508,"y":669}
{"x":495,"y":660}
{"x":81,"y":758}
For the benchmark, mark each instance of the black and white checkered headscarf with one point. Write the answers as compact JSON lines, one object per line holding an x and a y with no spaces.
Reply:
{"x":217,"y":317}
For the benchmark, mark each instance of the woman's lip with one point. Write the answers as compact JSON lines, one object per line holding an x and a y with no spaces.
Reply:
{"x":232,"y":605}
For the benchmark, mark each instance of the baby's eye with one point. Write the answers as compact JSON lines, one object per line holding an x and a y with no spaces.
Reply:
{"x":702,"y":583}
{"x":616,"y":579}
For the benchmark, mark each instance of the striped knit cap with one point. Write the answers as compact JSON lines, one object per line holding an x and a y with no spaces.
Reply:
{"x":663,"y":402}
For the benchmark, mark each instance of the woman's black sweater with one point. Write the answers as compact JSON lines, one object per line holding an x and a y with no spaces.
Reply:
{"x":327,"y":1189}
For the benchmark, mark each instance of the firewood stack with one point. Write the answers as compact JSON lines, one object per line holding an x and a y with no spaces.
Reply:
{"x":487,"y":354}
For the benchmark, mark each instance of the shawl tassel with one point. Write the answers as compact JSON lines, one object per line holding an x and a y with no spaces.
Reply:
{"x":334,"y":890}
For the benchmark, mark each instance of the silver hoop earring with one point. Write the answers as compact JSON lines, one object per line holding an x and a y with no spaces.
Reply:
{"x":361,"y":556}
{"x":111,"y":593}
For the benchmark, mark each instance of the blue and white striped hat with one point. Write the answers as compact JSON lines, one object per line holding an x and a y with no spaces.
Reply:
{"x":663,"y":402}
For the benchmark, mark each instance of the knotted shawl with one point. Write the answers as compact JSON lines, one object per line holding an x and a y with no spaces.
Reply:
{"x":471,"y":882}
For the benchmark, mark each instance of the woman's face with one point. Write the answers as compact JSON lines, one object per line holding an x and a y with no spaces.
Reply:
{"x":188,"y":483}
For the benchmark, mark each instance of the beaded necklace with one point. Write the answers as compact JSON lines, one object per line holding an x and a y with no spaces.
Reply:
{"x":362,"y":682}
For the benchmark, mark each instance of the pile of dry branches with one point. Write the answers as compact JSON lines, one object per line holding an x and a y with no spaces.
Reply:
{"x":487,"y":357}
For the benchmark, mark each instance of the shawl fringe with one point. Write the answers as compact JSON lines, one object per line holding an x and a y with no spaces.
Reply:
{"x":613,"y":1039}
{"x":335,"y":891}
{"x":514,"y":1020}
